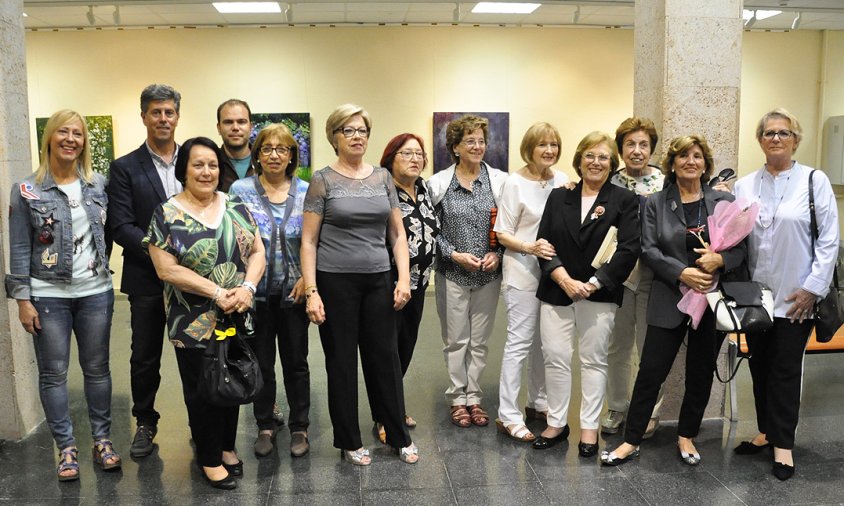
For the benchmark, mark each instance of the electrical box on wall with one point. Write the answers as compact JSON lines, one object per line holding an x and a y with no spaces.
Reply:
{"x":833,"y":149}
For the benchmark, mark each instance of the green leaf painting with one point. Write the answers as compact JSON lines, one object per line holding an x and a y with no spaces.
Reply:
{"x":101,"y":131}
{"x":299,"y":124}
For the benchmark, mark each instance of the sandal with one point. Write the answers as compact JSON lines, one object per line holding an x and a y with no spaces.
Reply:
{"x":68,"y":461}
{"x":105,"y":456}
{"x":409,"y":422}
{"x":359,"y":457}
{"x":478,"y":415}
{"x":516,"y":431}
{"x":460,"y":416}
{"x":408,"y":454}
{"x":378,"y":430}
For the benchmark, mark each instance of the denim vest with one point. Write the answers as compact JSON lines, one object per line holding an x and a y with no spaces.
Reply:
{"x":41,"y":231}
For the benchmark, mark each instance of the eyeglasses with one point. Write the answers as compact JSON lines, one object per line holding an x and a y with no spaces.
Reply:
{"x":591,"y":157}
{"x":408,"y":155}
{"x":279,"y":150}
{"x":725,"y":175}
{"x":471,"y":143}
{"x":349,"y":132}
{"x":782,"y":134}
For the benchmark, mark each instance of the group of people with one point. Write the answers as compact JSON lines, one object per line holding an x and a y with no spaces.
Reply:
{"x":209,"y":230}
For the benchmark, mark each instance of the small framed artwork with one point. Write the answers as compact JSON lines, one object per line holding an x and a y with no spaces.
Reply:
{"x":498,"y":144}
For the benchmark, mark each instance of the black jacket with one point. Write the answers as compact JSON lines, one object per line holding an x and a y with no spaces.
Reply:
{"x":577,"y":243}
{"x":227,"y":173}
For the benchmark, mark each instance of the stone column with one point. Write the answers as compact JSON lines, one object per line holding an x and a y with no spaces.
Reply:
{"x":20,"y":408}
{"x":687,"y":79}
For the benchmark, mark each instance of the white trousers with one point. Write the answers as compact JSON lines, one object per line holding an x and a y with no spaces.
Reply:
{"x":591,"y":324}
{"x":467,"y":315}
{"x":631,"y":326}
{"x":523,"y":344}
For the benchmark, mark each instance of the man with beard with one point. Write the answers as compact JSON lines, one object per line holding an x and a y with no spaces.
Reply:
{"x":235,"y":126}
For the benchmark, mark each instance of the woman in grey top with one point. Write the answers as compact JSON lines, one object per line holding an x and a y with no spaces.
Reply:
{"x":351,"y":211}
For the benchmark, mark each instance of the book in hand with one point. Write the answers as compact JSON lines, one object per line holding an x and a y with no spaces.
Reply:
{"x":607,"y":249}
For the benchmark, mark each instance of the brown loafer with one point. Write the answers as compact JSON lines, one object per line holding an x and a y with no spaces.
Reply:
{"x":299,"y":444}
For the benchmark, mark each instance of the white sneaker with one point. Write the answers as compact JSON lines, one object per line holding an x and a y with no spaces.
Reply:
{"x":612,"y":423}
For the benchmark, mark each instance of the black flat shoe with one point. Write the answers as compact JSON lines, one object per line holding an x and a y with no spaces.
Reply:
{"x":234,"y":469}
{"x":543,"y":443}
{"x":748,"y":448}
{"x":587,"y":449}
{"x":609,"y":459}
{"x":691,"y":459}
{"x":782,"y":471}
{"x":227,"y":483}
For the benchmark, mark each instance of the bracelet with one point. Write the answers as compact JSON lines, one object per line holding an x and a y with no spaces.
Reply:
{"x":309,"y":287}
{"x":524,"y":249}
{"x":217,"y":292}
{"x":249,"y":286}
{"x":313,"y":291}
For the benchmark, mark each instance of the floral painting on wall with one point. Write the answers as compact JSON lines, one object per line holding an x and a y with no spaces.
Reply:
{"x":101,"y":132}
{"x":299,"y":124}
{"x":497,"y":149}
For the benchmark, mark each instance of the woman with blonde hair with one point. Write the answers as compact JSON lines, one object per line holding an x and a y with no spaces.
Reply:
{"x":58,"y":273}
{"x":519,"y":210}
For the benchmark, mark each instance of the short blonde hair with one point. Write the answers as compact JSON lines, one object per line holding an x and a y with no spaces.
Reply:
{"x":461,"y":126}
{"x":591,"y":140}
{"x":282,"y":133}
{"x":781,"y":113}
{"x":680,"y":145}
{"x":534,"y":136}
{"x":340,"y":116}
{"x":60,"y":118}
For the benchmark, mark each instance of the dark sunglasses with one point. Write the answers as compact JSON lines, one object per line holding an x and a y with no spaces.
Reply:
{"x":725,"y":175}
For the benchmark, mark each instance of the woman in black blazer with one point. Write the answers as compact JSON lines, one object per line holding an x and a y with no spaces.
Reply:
{"x":672,"y":221}
{"x":578,"y":300}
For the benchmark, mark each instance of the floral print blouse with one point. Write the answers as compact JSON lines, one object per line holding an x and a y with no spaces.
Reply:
{"x":421,"y":228}
{"x":219,"y":254}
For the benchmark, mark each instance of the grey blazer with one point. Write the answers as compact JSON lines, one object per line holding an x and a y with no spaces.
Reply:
{"x":664,"y":251}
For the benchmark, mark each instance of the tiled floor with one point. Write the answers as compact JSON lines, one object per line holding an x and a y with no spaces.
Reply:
{"x":458,"y":466}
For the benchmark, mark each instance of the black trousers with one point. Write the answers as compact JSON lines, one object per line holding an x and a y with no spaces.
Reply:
{"x":658,"y":354}
{"x":407,"y":326}
{"x":776,"y":366}
{"x":148,"y":322}
{"x":213,"y":429}
{"x":359,"y":314}
{"x":287,"y":327}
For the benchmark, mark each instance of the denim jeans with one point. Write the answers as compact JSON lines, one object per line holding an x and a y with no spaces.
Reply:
{"x":90,"y":320}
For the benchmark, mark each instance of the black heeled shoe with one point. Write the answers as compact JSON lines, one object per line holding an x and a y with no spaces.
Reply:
{"x":748,"y":448}
{"x":543,"y":443}
{"x":587,"y":449}
{"x":234,"y":469}
{"x":609,"y":459}
{"x":227,"y":483}
{"x":782,"y":471}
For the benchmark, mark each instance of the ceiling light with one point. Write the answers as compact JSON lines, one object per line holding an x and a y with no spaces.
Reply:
{"x":247,"y":7}
{"x":759,"y":14}
{"x":25,"y":15}
{"x":504,"y":8}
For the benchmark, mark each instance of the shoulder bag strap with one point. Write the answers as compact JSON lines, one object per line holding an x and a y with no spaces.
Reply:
{"x":813,"y":224}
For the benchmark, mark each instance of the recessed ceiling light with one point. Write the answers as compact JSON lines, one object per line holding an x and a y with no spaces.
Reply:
{"x":760,"y":14}
{"x":504,"y":8}
{"x":246,"y":7}
{"x":25,"y":15}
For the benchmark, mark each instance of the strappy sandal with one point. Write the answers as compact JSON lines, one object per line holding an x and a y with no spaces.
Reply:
{"x":408,"y":454}
{"x":359,"y":457}
{"x":478,"y":416}
{"x":516,"y":431}
{"x":378,"y":430}
{"x":105,"y":456}
{"x":460,"y":416}
{"x":68,"y":461}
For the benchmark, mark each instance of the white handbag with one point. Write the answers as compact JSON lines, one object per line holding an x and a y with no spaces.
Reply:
{"x":742,"y":306}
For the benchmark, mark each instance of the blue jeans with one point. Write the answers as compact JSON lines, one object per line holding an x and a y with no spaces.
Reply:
{"x":90,"y":320}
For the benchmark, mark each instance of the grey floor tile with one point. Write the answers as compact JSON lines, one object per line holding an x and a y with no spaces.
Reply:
{"x":692,"y":487}
{"x":420,"y":497}
{"x":316,"y":499}
{"x":502,"y":495}
{"x":580,"y":490}
{"x":486,"y":468}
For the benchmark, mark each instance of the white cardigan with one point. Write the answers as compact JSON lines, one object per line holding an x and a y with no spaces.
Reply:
{"x":438,"y":183}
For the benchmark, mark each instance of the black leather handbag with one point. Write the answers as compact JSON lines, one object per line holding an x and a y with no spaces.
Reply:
{"x":829,"y":311}
{"x":230,"y":374}
{"x":742,"y":306}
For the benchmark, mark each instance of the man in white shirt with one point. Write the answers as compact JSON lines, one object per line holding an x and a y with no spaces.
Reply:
{"x":138,"y":183}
